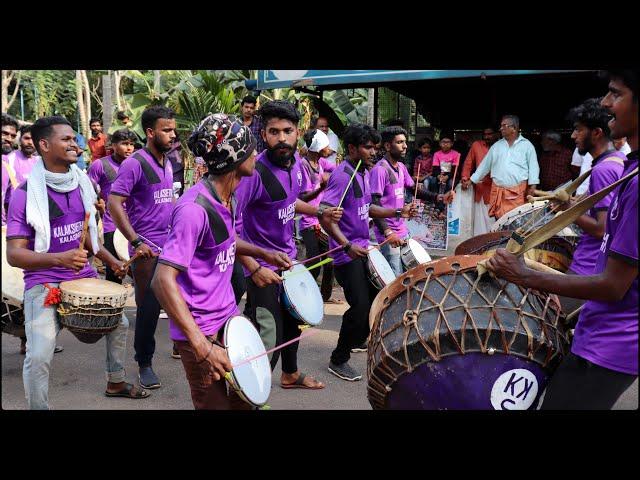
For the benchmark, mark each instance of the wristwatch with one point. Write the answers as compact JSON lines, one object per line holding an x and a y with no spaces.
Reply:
{"x":320,"y":212}
{"x":398,"y":212}
{"x":136,"y":243}
{"x":347,"y":247}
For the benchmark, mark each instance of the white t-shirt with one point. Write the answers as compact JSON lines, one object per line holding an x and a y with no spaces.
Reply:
{"x":626,"y":148}
{"x":334,"y":144}
{"x":584,"y":162}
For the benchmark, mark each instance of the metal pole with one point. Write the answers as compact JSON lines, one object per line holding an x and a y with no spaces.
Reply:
{"x":375,"y":108}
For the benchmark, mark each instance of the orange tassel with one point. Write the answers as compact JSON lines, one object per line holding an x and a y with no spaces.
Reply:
{"x":54,"y":297}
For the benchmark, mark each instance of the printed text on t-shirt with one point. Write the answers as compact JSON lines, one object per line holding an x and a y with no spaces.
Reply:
{"x":68,"y":233}
{"x":163,"y":196}
{"x":226,"y":258}
{"x":363,"y":211}
{"x":287,"y":214}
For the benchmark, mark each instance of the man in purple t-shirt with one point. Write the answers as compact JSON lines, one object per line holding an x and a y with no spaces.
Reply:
{"x":269,"y":201}
{"x":603,"y":361}
{"x":9,"y":180}
{"x":314,"y":181}
{"x":103,"y":171}
{"x":389,"y":178}
{"x":193,"y":278}
{"x":352,"y":233}
{"x":145,"y":183}
{"x":23,"y":159}
{"x":43,"y":237}
{"x":591,"y":134}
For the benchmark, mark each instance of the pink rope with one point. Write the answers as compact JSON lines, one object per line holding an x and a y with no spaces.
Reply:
{"x":312,"y":332}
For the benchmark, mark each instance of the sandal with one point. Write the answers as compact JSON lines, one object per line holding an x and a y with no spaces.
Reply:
{"x":299,"y":383}
{"x":129,"y":391}
{"x":334,"y":301}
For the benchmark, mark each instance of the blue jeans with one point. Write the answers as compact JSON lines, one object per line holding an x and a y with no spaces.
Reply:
{"x":392,"y":254}
{"x":41,"y":326}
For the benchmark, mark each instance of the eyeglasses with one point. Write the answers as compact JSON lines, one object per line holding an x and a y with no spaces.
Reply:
{"x":505,"y":125}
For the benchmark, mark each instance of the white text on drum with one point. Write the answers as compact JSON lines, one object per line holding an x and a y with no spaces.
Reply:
{"x":226,"y":258}
{"x":287,"y":214}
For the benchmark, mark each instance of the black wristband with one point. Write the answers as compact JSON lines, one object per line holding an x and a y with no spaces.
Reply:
{"x":347,"y":247}
{"x":398,"y":212}
{"x":136,"y":243}
{"x":320,"y":212}
{"x":255,"y":271}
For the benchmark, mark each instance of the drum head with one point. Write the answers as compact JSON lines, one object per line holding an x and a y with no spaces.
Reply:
{"x":381,"y":266}
{"x":121,"y":245}
{"x":12,"y":277}
{"x":304,"y":294}
{"x":92,"y":287}
{"x":243,"y":341}
{"x":418,"y":251}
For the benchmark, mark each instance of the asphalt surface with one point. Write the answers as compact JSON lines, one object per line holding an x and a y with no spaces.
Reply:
{"x":77,"y":380}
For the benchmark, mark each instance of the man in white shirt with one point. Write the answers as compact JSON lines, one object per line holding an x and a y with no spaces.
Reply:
{"x":584,"y":162}
{"x":334,"y":142}
{"x":621,"y":145}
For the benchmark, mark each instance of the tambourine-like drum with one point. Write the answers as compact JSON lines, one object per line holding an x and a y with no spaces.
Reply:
{"x":252,"y":380}
{"x":533,"y":214}
{"x":12,"y":294}
{"x":121,"y":245}
{"x":91,"y":308}
{"x":301,"y":295}
{"x":444,"y":338}
{"x":413,"y":254}
{"x":556,"y":252}
{"x":380,"y":272}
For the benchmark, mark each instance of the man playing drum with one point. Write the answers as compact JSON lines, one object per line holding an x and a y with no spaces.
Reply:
{"x":269,"y":201}
{"x":193,"y":279}
{"x":145,"y":183}
{"x":352,"y":233}
{"x":603,"y":361}
{"x":389,"y":178}
{"x":44,"y":227}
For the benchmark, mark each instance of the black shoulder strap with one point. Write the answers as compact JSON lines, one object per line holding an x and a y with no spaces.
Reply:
{"x":149,"y":173}
{"x":216,"y":223}
{"x":54,"y":210}
{"x":108,"y":169}
{"x":392,"y":176}
{"x":271,"y":183}
{"x":357,"y":191}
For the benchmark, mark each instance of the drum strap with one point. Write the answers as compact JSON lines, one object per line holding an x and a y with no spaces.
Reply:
{"x":357,"y":191}
{"x":216,"y":223}
{"x":149,"y":173}
{"x":392,"y":176}
{"x":108,"y":169}
{"x":271,"y":183}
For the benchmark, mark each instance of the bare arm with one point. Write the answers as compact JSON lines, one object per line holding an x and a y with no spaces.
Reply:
{"x":115,"y":204}
{"x":593,"y":226}
{"x":18,"y":255}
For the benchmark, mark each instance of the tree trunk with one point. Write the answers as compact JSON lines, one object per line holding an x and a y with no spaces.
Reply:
{"x":107,"y":102}
{"x":117,"y":78}
{"x":156,"y":82}
{"x":81,"y":103}
{"x":87,"y":100}
{"x":7,"y":78}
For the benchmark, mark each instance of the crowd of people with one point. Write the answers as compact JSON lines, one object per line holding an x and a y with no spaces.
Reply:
{"x":199,"y":250}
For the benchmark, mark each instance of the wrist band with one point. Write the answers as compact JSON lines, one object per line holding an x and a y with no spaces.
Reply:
{"x":347,"y":247}
{"x":388,"y":232}
{"x":136,"y":243}
{"x":398,"y":212}
{"x":320,"y":212}
{"x":255,"y":271}
{"x":207,"y":355}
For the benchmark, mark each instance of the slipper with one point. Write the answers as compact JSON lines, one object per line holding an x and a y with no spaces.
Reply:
{"x":299,"y":384}
{"x":334,"y":301}
{"x":127,"y":392}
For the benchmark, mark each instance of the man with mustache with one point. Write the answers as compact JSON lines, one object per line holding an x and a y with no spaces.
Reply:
{"x":603,"y":361}
{"x":268,"y":201}
{"x":145,"y":183}
{"x":9,"y":178}
{"x":23,"y":159}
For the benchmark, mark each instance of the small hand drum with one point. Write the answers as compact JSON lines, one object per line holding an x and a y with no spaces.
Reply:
{"x":252,"y":380}
{"x":443,"y":338}
{"x":121,"y":245}
{"x":91,"y":308}
{"x":301,"y":295}
{"x":413,"y":254}
{"x":380,"y":272}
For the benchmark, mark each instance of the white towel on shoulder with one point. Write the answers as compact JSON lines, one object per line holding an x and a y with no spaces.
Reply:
{"x":38,"y":204}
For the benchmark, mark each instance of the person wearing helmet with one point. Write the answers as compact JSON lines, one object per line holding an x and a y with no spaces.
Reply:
{"x":193,"y":279}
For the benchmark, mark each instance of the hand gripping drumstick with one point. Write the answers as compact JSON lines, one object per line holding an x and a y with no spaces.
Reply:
{"x":415,"y":195}
{"x":83,"y":237}
{"x":350,"y":182}
{"x":319,"y":264}
{"x":518,"y":244}
{"x":560,"y":194}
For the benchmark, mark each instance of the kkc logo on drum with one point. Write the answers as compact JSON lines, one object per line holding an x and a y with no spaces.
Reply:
{"x":514,"y":390}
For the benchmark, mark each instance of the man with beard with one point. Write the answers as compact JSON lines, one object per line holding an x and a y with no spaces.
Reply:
{"x":97,"y":141}
{"x":481,"y":220}
{"x":9,"y":180}
{"x":591,"y":134}
{"x":249,"y":119}
{"x":44,"y":229}
{"x":555,"y":162}
{"x":23,"y":159}
{"x":145,"y":183}
{"x":103,"y":172}
{"x":603,"y":361}
{"x":389,"y":178}
{"x":322,"y":124}
{"x":269,"y":202}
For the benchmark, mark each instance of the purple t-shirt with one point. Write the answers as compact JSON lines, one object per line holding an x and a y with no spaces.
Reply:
{"x":605,"y":172}
{"x":66,"y":217}
{"x":390,"y":183}
{"x":104,"y":172}
{"x":311,"y":179}
{"x":202,"y":245}
{"x":22,"y":164}
{"x":354,"y":223}
{"x":327,"y":165}
{"x":607,"y":332}
{"x":6,"y":189}
{"x":267,"y":202}
{"x":149,"y":190}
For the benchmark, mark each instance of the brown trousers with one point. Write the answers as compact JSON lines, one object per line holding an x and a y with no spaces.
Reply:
{"x":207,"y":393}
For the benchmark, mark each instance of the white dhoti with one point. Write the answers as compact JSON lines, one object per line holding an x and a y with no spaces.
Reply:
{"x":481,"y":220}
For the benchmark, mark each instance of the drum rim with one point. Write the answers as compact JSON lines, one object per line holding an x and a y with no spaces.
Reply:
{"x":376,"y":271}
{"x":121,"y":289}
{"x":285,"y":292}
{"x":236,"y":384}
{"x":117,"y":233}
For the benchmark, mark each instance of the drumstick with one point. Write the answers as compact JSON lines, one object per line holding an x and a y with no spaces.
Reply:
{"x":415,"y":195}
{"x":375,"y":247}
{"x":574,"y":313}
{"x":455,"y":172}
{"x":350,"y":182}
{"x":321,"y":255}
{"x":297,"y":339}
{"x":319,"y":264}
{"x":85,"y":227}
{"x":126,"y":264}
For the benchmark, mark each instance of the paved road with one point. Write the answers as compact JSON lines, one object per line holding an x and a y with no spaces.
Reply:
{"x":77,"y":378}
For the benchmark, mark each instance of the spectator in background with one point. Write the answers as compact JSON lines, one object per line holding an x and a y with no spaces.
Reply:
{"x":444,"y":160}
{"x":82,"y":147}
{"x":23,"y":159}
{"x":583,"y":162}
{"x":253,"y":121}
{"x":424,"y":160}
{"x":554,"y":162}
{"x":175,"y":157}
{"x":621,"y":145}
{"x":98,"y":140}
{"x":321,"y":123}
